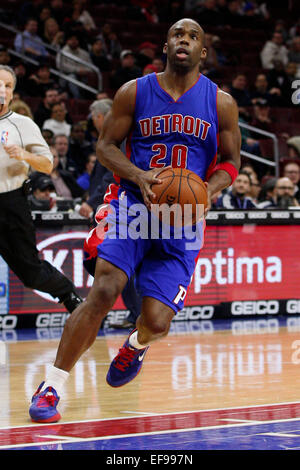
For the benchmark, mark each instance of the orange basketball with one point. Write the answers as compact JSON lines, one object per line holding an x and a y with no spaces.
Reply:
{"x":184,"y":192}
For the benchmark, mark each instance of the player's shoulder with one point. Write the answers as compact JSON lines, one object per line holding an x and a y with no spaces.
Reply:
{"x":125,"y":96}
{"x":225,"y":99}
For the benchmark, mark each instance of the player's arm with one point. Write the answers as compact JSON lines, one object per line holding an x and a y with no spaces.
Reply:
{"x":229,"y":143}
{"x":116,"y":127}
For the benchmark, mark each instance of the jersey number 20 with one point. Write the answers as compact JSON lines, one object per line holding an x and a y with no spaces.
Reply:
{"x":178,"y":156}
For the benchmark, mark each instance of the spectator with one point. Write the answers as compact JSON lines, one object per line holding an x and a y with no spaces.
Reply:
{"x":208,"y":14}
{"x":237,"y":198}
{"x":211,"y":63}
{"x":267,"y":194}
{"x":292,"y":171}
{"x":79,"y":147}
{"x":23,"y":85}
{"x":284,"y":194}
{"x":80,"y":14}
{"x":111,"y":42}
{"x":58,"y":11}
{"x":159,"y":64}
{"x":40,"y":81}
{"x":43,"y":112}
{"x":278,"y":79}
{"x":232,"y":17}
{"x":262,"y":91}
{"x":20,"y":107}
{"x":249,"y":142}
{"x":293,"y":144}
{"x":294,"y":53}
{"x":146,"y":54}
{"x":127,"y":71}
{"x":29,"y":9}
{"x":274,"y":50}
{"x":99,"y":56}
{"x":61,"y":144}
{"x":44,"y":14}
{"x":73,"y":68}
{"x":150,"y":68}
{"x":84,"y":180}
{"x":30,"y":43}
{"x":261,"y":117}
{"x":5,"y":57}
{"x":239,"y":90}
{"x":295,"y":30}
{"x":48,"y":136}
{"x":219,"y":49}
{"x":52,"y":33}
{"x":57,"y":122}
{"x":41,"y":198}
{"x":63,"y":180}
{"x":100,"y":177}
{"x":255,"y":187}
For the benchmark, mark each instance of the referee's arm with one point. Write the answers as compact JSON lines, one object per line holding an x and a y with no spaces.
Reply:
{"x":37,"y":162}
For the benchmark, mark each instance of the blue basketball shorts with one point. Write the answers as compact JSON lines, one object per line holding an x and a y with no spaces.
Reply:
{"x":163,"y":263}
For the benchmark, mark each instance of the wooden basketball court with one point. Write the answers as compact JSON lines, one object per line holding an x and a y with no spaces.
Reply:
{"x":229,"y":382}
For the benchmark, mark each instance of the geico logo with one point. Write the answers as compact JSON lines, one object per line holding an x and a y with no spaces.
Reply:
{"x":293,"y":306}
{"x":226,"y":269}
{"x":235,"y":215}
{"x":8,"y":321}
{"x":258,"y":307}
{"x":51,"y":319}
{"x":257,"y":215}
{"x":54,"y":216}
{"x":195,"y":313}
{"x":212,"y":216}
{"x":280,"y":215}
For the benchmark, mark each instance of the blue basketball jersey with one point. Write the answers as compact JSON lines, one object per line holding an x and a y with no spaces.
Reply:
{"x":181,"y":133}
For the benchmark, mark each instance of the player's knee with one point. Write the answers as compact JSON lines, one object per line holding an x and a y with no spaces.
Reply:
{"x":158,"y":327}
{"x":103,"y":295}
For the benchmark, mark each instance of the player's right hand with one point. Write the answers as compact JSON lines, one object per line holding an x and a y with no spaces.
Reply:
{"x":145,"y":180}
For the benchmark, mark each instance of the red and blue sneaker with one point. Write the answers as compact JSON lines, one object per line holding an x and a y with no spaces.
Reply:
{"x":43,"y":406}
{"x":126,"y":365}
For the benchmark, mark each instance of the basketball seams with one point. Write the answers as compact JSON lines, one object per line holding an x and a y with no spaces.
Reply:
{"x":163,"y":192}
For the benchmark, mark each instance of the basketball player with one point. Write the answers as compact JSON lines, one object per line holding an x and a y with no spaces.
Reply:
{"x":22,"y":146}
{"x":179,"y":118}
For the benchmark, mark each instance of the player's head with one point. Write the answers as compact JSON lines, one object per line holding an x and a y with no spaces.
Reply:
{"x":185,"y":45}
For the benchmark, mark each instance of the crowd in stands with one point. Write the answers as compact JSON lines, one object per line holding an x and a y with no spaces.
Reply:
{"x":259,"y":66}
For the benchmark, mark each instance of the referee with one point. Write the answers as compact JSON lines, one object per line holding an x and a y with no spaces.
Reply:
{"x":21,"y":147}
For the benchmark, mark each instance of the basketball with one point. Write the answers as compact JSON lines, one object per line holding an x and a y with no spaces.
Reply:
{"x":183,"y":190}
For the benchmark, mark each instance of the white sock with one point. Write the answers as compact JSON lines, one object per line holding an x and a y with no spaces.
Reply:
{"x":134,"y":342}
{"x":56,"y":378}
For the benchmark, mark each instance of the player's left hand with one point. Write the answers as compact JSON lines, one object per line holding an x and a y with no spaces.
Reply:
{"x":15,"y":151}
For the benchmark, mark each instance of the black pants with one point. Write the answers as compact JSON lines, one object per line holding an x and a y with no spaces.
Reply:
{"x":18,"y":248}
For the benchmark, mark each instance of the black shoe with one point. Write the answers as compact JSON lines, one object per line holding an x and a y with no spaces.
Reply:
{"x":71,"y":301}
{"x":124,"y":325}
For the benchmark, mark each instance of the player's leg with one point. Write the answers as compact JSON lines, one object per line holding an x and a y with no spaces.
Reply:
{"x":152,"y":324}
{"x":79,"y":333}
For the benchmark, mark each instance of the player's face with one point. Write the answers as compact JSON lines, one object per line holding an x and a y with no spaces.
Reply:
{"x":8,"y":81}
{"x":184,"y":47}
